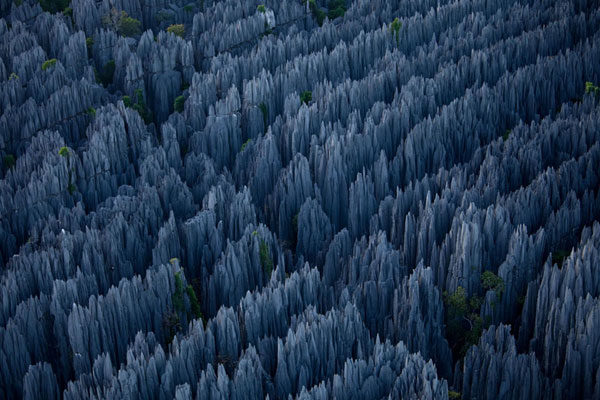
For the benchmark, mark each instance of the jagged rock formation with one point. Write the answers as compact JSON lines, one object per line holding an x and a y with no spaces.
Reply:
{"x":272,"y":199}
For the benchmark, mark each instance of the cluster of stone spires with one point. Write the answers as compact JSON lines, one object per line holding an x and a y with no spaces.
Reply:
{"x":256,"y":241}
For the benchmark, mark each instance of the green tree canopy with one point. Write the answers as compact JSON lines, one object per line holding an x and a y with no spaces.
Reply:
{"x":177,"y":29}
{"x":54,"y":6}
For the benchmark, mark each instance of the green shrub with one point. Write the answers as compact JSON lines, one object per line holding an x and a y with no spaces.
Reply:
{"x":332,"y":4}
{"x":265,"y":113}
{"x":143,"y":111}
{"x":122,"y":23}
{"x":163,"y":16}
{"x":9,"y":161}
{"x":337,"y":8}
{"x":89,"y":42}
{"x":189,"y":7}
{"x":268,"y":30}
{"x":177,"y":29}
{"x":106,"y":75}
{"x":491,"y":281}
{"x":178,"y":104}
{"x":91,"y":111}
{"x":196,"y":311}
{"x":246,"y":143}
{"x":128,"y":26}
{"x":63,"y":151}
{"x":13,"y":76}
{"x":140,"y":106}
{"x":463,"y":323}
{"x":71,"y":188}
{"x":48,"y":64}
{"x":306,"y":97}
{"x":457,"y":303}
{"x":395,"y":28}
{"x":68,"y":12}
{"x":261,"y":8}
{"x":317,"y":13}
{"x":506,"y":135}
{"x":454,"y":395}
{"x":336,"y":13}
{"x":265,"y":258}
{"x":54,"y":6}
{"x":172,"y":325}
{"x":591,"y":88}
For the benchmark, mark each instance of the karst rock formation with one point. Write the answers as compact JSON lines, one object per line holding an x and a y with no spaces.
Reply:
{"x":292,"y":199}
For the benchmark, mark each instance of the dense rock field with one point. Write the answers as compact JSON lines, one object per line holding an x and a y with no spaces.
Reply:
{"x":242,"y":199}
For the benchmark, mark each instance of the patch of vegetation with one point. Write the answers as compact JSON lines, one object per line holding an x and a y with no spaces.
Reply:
{"x":463,"y":323}
{"x":506,"y":134}
{"x":139,"y":105}
{"x":395,"y":29}
{"x":454,"y":395}
{"x":13,"y":76}
{"x":71,"y":187}
{"x":195,"y":304}
{"x":91,"y":111}
{"x":189,"y":8}
{"x":163,"y":16}
{"x":63,"y":151}
{"x":177,"y":297}
{"x":318,"y":14}
{"x":491,"y":281}
{"x":9,"y":161}
{"x":68,"y":12}
{"x":261,"y":8}
{"x":178,"y":104}
{"x":128,"y":26}
{"x":265,"y":258}
{"x":185,"y":86}
{"x":89,"y":42}
{"x":121,"y":22}
{"x":591,"y":88}
{"x":48,"y":64}
{"x":265,"y":114}
{"x":171,"y":325}
{"x":306,"y":97}
{"x":177,"y":29}
{"x":54,"y":6}
{"x":336,"y":9}
{"x":268,"y":30}
{"x":246,"y":143}
{"x":105,"y":76}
